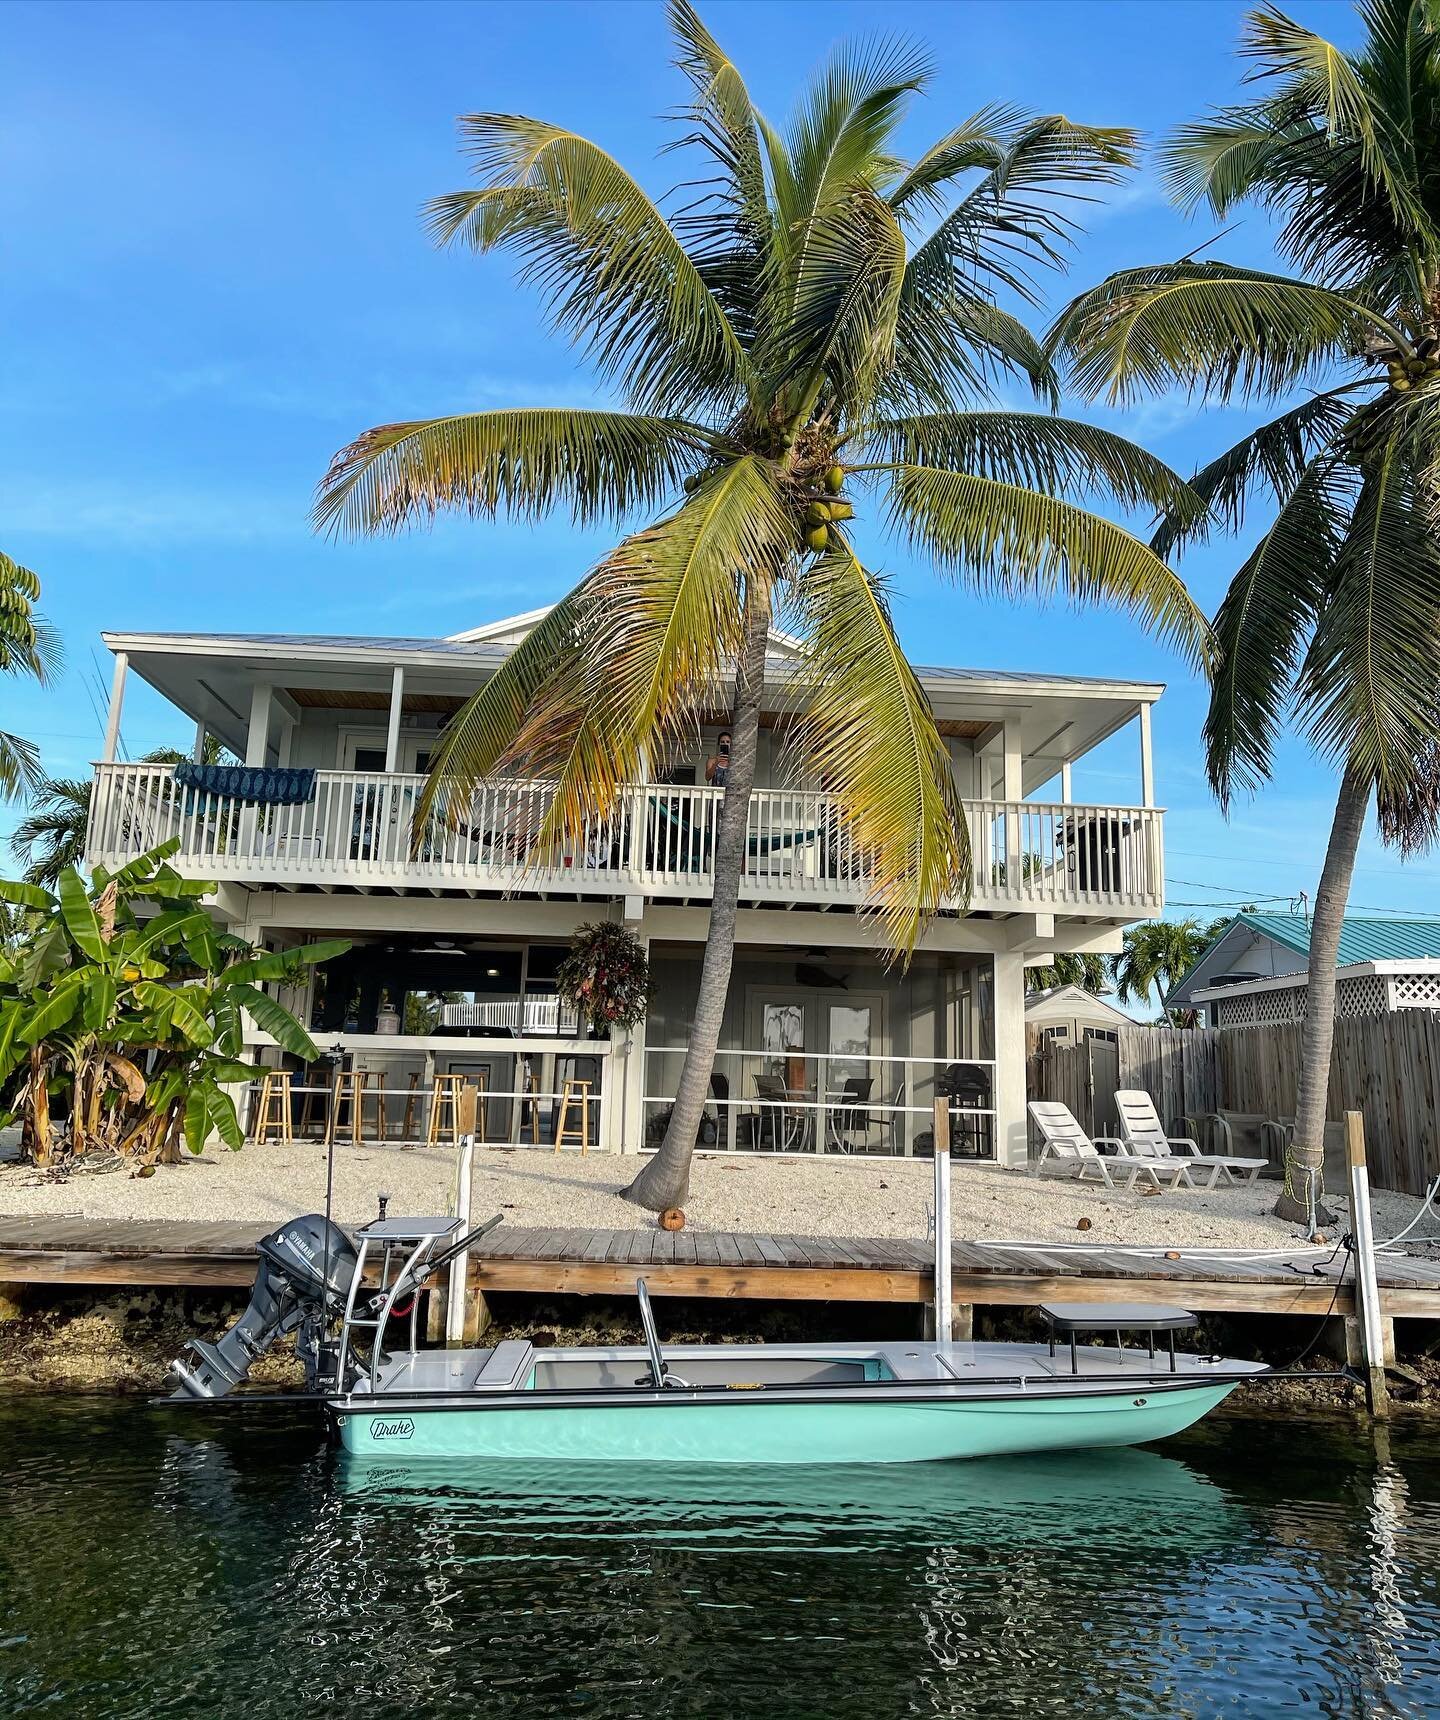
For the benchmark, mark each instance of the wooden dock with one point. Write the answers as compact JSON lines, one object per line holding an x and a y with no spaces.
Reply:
{"x":74,"y":1252}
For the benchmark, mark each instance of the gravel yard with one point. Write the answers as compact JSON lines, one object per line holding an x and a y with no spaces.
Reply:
{"x":784,"y":1196}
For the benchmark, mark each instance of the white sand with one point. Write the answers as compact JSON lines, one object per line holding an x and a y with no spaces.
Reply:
{"x":783,"y":1196}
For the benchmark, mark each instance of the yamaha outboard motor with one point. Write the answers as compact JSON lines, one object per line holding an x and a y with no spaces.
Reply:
{"x":305,"y":1271}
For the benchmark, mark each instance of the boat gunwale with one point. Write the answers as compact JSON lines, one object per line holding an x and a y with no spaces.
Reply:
{"x":1031,"y":1389}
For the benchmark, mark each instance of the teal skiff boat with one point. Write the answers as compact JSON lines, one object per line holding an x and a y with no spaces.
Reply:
{"x":703,"y":1403}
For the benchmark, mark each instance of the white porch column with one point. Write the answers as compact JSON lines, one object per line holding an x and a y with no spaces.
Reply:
{"x":1147,"y":763}
{"x":1066,"y":791}
{"x":392,"y":733}
{"x":623,"y":1113}
{"x":117,"y":701}
{"x":1011,"y":1146}
{"x":1012,"y":789}
{"x":257,"y":740}
{"x":286,"y":740}
{"x":197,"y":752}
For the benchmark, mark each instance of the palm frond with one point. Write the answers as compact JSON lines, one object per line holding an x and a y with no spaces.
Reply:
{"x":1018,"y":542}
{"x":1262,"y":624}
{"x":1367,"y":687}
{"x":845,"y":301}
{"x":1329,"y":83}
{"x":614,"y":274}
{"x":484,"y":729}
{"x":867,"y":732}
{"x":522,"y":463}
{"x":1206,"y":325}
{"x":659,"y":631}
{"x":840,"y":134}
{"x":51,"y":836}
{"x":953,"y":345}
{"x":727,"y":230}
{"x":976,"y":143}
{"x":1014,"y":218}
{"x":28,"y":644}
{"x":1274,"y":456}
{"x":1058,"y":455}
{"x":20,"y":769}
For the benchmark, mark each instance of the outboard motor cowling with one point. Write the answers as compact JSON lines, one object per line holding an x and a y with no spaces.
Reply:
{"x":306,"y":1267}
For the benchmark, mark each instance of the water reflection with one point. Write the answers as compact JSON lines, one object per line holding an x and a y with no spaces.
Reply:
{"x":152,"y":1563}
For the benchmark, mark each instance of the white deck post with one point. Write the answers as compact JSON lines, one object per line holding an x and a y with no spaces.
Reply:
{"x":257,"y":745}
{"x":1014,"y":790}
{"x":1066,"y":786}
{"x":1154,"y":871}
{"x":1147,"y":763}
{"x":622,"y":1114}
{"x":117,"y":702}
{"x":257,"y":739}
{"x":944,"y":1314}
{"x":1011,"y":1146}
{"x":197,"y":752}
{"x":392,"y":733}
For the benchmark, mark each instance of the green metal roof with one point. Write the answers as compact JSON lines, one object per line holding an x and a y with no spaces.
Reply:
{"x":1361,"y":939}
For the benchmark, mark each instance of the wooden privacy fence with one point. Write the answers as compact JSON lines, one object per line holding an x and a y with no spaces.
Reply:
{"x":1385,"y":1066}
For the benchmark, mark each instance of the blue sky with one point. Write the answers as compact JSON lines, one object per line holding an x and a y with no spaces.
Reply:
{"x":214,"y":275}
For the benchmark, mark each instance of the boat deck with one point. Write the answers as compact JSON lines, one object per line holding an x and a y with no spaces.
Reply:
{"x":57,"y":1251}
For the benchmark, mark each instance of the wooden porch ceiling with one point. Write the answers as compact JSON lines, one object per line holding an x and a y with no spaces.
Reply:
{"x":445,"y":704}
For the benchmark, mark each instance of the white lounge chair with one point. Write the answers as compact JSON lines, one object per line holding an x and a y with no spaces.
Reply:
{"x":1063,"y":1138}
{"x":1143,"y":1136}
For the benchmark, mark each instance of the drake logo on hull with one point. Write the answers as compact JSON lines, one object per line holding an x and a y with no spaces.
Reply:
{"x":398,"y":1427}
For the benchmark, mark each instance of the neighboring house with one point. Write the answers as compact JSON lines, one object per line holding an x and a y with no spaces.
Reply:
{"x":1070,"y":1015}
{"x":1255,"y":971}
{"x":461,"y":912}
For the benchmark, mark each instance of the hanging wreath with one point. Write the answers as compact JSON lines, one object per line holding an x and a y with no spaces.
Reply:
{"x":606,"y":976}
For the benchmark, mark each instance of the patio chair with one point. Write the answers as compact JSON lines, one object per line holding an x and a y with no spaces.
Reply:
{"x":1063,"y":1138}
{"x":1143,"y":1136}
{"x":849,"y":1117}
{"x":777,"y":1117}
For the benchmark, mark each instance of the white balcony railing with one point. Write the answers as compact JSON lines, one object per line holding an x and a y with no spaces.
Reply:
{"x":356,"y":830}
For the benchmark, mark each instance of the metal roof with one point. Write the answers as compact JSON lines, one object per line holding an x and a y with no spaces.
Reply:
{"x":1362,"y":939}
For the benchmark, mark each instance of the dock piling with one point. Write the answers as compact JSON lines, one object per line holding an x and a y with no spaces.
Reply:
{"x":1367,"y":1287}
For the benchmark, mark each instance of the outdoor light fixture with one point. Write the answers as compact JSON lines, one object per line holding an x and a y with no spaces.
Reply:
{"x":492,"y":973}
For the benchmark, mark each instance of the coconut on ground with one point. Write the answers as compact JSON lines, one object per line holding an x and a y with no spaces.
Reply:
{"x":784,"y":1196}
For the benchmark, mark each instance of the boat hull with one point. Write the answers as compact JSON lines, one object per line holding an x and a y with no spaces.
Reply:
{"x":753,"y":1431}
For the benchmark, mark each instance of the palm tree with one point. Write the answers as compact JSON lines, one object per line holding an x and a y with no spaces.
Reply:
{"x":52,"y":834}
{"x":27,"y":647}
{"x":1334,"y":616}
{"x":1157,"y":955}
{"x":816,"y":322}
{"x":1067,"y":969}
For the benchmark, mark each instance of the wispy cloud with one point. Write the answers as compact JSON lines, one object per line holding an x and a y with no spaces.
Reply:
{"x":135,"y":516}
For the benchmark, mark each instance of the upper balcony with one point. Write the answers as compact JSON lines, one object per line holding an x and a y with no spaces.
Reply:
{"x":356,"y":832}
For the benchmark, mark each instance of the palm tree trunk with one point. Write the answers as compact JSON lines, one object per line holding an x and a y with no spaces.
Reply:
{"x":1305,"y":1157}
{"x":665,"y":1180}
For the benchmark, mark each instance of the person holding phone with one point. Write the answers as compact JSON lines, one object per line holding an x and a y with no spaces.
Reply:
{"x":717,"y":766}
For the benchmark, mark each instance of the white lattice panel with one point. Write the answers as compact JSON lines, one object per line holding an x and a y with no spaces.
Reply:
{"x":1362,"y":996}
{"x":1287,"y":1005}
{"x":1236,"y":1012}
{"x":1417,"y":990}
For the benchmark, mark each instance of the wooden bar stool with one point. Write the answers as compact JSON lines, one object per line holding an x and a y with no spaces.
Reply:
{"x":349,"y":1084}
{"x":444,"y":1109}
{"x":574,"y":1097}
{"x":412,"y":1098}
{"x":273,"y":1113}
{"x":382,"y":1125}
{"x":312,"y":1111}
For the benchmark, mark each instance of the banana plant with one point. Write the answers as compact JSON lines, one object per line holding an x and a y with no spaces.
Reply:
{"x":123,"y":1007}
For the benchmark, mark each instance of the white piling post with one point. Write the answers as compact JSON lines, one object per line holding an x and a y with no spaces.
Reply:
{"x":944,"y":1329}
{"x":1367,"y":1287}
{"x":460,"y":1265}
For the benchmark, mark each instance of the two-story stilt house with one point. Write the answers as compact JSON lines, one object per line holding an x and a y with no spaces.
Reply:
{"x":457,"y":934}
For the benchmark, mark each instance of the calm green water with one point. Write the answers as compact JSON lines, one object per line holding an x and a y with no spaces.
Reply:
{"x":154,"y":1563}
